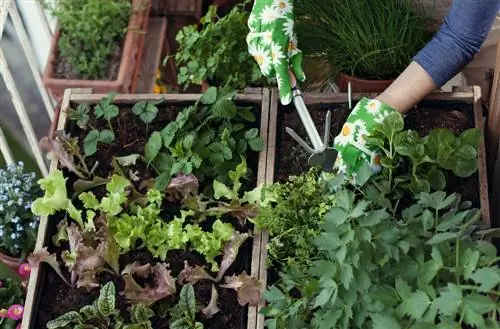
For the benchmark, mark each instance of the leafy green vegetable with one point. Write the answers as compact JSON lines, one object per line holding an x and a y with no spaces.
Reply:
{"x":183,"y":315}
{"x":206,"y":139}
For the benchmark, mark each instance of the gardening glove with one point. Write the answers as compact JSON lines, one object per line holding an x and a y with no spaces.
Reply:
{"x":356,"y":158}
{"x":273,"y":43}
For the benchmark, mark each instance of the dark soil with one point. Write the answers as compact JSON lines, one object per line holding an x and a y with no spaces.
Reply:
{"x":291,"y":158}
{"x":64,"y":70}
{"x":57,"y":298}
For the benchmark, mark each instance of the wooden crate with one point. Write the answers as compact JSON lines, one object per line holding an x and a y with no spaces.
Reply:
{"x":470,"y":96}
{"x":73,"y":97}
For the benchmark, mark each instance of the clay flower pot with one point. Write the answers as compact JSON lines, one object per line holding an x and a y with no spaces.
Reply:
{"x":129,"y":64}
{"x":11,"y":262}
{"x":362,"y":85}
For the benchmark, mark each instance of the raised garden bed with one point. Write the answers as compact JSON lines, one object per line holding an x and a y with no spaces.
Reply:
{"x":456,"y":111}
{"x":124,"y":61}
{"x":49,"y":297}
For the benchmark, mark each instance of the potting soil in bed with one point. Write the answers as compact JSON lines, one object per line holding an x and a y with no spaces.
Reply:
{"x":291,"y":158}
{"x":57,"y":298}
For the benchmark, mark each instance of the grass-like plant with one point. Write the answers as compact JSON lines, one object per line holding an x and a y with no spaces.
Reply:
{"x":373,"y":39}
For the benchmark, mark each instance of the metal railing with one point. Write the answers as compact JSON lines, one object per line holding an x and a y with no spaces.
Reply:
{"x":8,"y":8}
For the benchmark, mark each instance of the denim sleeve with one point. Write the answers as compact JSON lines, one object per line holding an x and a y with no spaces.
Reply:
{"x":458,"y":39}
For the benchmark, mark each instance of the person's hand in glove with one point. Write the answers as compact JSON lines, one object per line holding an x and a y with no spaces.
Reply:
{"x":356,"y":158}
{"x":273,"y":43}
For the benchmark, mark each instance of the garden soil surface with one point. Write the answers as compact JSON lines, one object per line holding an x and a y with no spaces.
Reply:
{"x":57,"y":298}
{"x":291,"y":158}
{"x":64,"y":70}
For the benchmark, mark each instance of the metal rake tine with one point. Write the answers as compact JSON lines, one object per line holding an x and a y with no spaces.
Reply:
{"x":328,"y":122}
{"x":299,"y":140}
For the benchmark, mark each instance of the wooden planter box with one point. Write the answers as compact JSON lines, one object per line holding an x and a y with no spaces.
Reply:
{"x":74,"y":97}
{"x":129,"y":65}
{"x":177,"y":8}
{"x":471,"y":97}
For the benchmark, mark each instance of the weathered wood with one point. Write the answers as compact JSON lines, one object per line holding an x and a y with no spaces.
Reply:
{"x":37,"y":274}
{"x":493,"y":129}
{"x":73,"y":97}
{"x":174,"y":98}
{"x":482,"y":161}
{"x":261,"y":180}
{"x":153,"y":46}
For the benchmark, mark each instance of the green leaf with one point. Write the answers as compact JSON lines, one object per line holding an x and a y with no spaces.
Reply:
{"x":373,"y":218}
{"x":64,"y":320}
{"x":145,"y":110}
{"x":384,"y":321}
{"x":106,"y":136}
{"x":346,"y":275}
{"x":162,"y":181}
{"x":106,"y":110}
{"x":153,"y":146}
{"x":469,"y":262}
{"x":466,"y":152}
{"x":187,"y":301}
{"x":89,"y":312}
{"x":209,"y":96}
{"x":90,"y":142}
{"x":480,"y":303}
{"x":416,"y":305}
{"x":188,"y":141}
{"x":106,"y":300}
{"x":487,"y":277}
{"x":473,"y":318}
{"x":328,"y":289}
{"x":168,"y":133}
{"x":441,"y":237}
{"x":256,"y":144}
{"x":428,"y":271}
{"x":222,"y":191}
{"x":402,"y":288}
{"x":472,"y":137}
{"x":252,"y":133}
{"x":464,"y":168}
{"x":224,"y":109}
{"x":141,"y":313}
{"x":449,"y":300}
{"x":436,"y":178}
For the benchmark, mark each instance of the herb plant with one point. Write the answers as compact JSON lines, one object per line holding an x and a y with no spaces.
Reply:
{"x":206,"y":139}
{"x":420,"y":163}
{"x":103,"y":314}
{"x":89,"y":31}
{"x":365,"y":39}
{"x":18,"y":225}
{"x":217,"y":51}
{"x":183,"y":315}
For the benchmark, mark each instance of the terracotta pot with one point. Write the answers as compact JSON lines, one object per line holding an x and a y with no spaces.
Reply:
{"x":11,"y":262}
{"x":362,"y":85}
{"x":130,"y":59}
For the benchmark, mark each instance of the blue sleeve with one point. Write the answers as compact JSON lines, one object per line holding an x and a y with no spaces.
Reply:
{"x":459,"y":38}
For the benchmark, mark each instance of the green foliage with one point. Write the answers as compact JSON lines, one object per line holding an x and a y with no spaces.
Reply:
{"x":217,"y":51}
{"x":292,"y":217}
{"x":103,"y":314}
{"x":427,"y":268}
{"x":366,"y":39}
{"x":90,"y":29}
{"x":206,"y":139}
{"x":11,"y":292}
{"x":416,"y":163}
{"x":183,"y":314}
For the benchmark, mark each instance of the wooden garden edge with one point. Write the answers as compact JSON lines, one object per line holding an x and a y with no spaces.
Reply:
{"x":83,"y":95}
{"x":471,"y":95}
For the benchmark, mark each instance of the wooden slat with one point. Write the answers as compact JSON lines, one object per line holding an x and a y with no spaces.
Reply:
{"x":482,"y":167}
{"x":172,"y":98}
{"x":37,"y":274}
{"x":153,"y":46}
{"x":493,"y":129}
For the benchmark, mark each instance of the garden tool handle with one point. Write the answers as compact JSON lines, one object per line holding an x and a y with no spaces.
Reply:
{"x":304,"y":115}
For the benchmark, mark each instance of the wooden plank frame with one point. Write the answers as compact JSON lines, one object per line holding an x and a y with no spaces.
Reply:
{"x":471,"y":96}
{"x":79,"y":96}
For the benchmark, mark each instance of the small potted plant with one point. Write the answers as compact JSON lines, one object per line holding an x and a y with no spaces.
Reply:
{"x":365,"y":42}
{"x":98,"y":44}
{"x":18,"y":226}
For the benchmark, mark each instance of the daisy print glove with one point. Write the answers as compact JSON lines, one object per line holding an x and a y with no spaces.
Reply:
{"x":273,"y":43}
{"x":357,"y":159}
